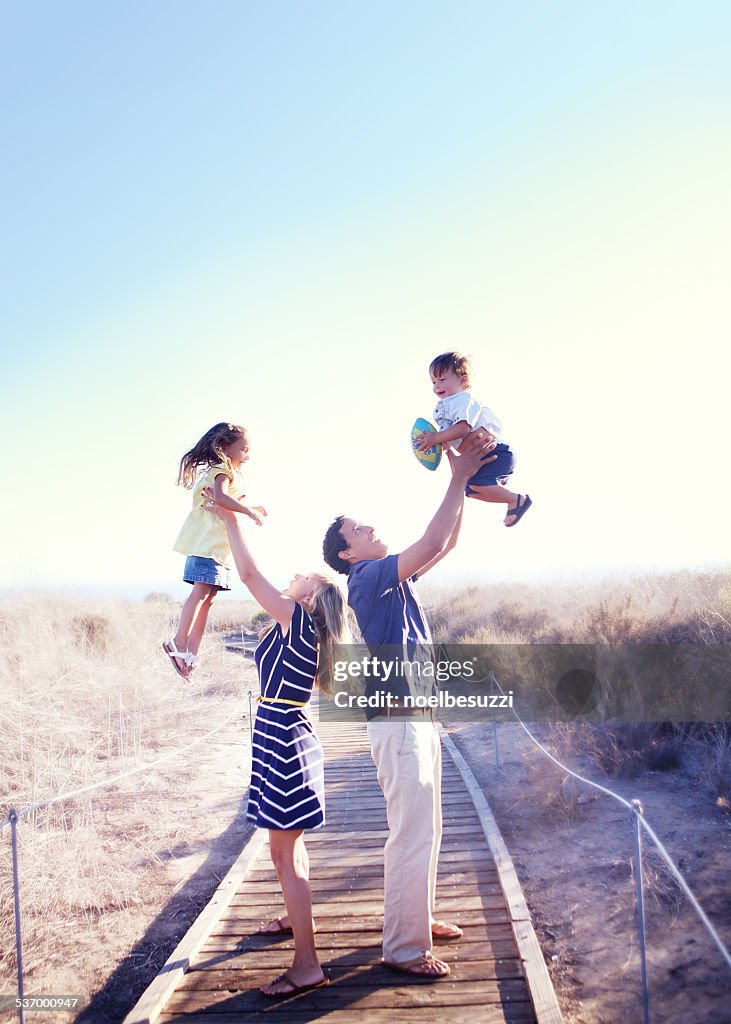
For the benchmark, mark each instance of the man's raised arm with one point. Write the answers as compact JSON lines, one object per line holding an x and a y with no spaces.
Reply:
{"x":433,"y":544}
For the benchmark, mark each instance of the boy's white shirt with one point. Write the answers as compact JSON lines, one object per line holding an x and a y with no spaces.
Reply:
{"x":463,"y":406}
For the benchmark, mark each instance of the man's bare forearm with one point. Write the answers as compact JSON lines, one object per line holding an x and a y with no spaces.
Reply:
{"x":442,"y":525}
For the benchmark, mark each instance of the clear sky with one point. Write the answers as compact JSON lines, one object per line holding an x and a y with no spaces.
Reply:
{"x":278,"y":213}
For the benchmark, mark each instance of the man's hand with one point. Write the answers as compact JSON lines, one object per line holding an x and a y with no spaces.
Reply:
{"x":473,"y":452}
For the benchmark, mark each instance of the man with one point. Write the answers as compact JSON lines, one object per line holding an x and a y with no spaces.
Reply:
{"x":404,"y":741}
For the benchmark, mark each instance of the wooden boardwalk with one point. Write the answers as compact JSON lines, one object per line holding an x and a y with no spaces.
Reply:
{"x":498,"y":973}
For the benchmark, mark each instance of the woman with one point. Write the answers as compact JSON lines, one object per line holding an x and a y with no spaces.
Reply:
{"x":287,"y":776}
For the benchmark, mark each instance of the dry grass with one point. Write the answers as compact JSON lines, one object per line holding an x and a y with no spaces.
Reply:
{"x":681,"y":607}
{"x":87,"y":694}
{"x":653,"y":631}
{"x":231,"y":615}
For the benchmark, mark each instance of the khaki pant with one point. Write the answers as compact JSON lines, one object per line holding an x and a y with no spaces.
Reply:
{"x":408,"y":756}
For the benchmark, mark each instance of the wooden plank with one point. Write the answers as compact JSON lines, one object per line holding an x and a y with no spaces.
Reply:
{"x":361,"y":835}
{"x":465,"y":856}
{"x":271,"y":955}
{"x":288,"y":1013}
{"x":268,"y":894}
{"x":480,"y":872}
{"x":244,"y":973}
{"x":359,"y":784}
{"x":252,"y":904}
{"x":324,"y":885}
{"x":363,"y":871}
{"x":246,"y":924}
{"x":372,"y":812}
{"x":377,"y":842}
{"x":352,"y":888}
{"x":397,"y":996}
{"x":541,"y":988}
{"x":337,"y":919}
{"x":497,"y":939}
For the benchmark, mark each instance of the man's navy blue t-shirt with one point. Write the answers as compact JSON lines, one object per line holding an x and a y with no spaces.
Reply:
{"x":389,"y":616}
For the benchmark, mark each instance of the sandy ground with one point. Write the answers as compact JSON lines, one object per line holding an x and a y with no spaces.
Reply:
{"x":572,"y":857}
{"x":572,"y":849}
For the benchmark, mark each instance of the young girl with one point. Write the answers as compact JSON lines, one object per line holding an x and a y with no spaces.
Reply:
{"x":457,"y":413}
{"x":215,"y":462}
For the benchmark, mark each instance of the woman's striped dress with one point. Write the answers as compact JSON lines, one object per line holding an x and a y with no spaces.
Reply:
{"x":287,"y":772}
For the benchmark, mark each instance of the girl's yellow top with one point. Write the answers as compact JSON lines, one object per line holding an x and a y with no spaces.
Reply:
{"x":203,"y":533}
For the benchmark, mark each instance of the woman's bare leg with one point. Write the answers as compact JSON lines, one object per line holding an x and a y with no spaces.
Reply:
{"x":291,"y":864}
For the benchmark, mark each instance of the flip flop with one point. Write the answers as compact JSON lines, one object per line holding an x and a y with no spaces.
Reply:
{"x":410,"y":967}
{"x":281,"y":929}
{"x":449,"y":932}
{"x":293,"y":990}
{"x":173,"y":653}
{"x":520,"y":510}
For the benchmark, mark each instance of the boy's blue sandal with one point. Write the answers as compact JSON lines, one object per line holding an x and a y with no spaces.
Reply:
{"x":520,"y":510}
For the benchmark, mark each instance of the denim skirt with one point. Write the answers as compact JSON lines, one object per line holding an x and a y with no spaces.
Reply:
{"x":206,"y":570}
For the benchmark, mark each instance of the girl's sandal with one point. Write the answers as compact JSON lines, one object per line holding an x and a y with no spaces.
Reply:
{"x":174,"y":654}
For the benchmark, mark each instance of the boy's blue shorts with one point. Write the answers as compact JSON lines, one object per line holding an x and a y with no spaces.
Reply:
{"x":495,"y":472}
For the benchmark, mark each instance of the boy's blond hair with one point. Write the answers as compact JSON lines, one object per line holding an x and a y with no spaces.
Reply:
{"x":452,"y":361}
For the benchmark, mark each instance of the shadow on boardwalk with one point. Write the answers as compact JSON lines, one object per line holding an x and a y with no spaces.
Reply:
{"x":130,"y":978}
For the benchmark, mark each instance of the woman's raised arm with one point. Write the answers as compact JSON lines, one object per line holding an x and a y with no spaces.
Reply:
{"x":280,"y":608}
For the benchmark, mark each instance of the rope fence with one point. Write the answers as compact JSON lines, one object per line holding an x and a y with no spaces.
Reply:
{"x":640,"y":824}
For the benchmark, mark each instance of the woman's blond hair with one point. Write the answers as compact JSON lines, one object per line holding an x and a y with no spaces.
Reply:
{"x":332,"y":628}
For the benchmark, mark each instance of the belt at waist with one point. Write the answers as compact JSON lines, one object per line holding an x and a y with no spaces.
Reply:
{"x":280,"y":700}
{"x":399,"y":712}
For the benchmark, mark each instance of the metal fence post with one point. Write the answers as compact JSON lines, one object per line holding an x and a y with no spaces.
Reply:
{"x":640,"y":892}
{"x":494,"y":688}
{"x":13,"y":819}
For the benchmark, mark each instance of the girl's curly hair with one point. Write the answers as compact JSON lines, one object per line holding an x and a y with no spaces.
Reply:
{"x":209,"y":451}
